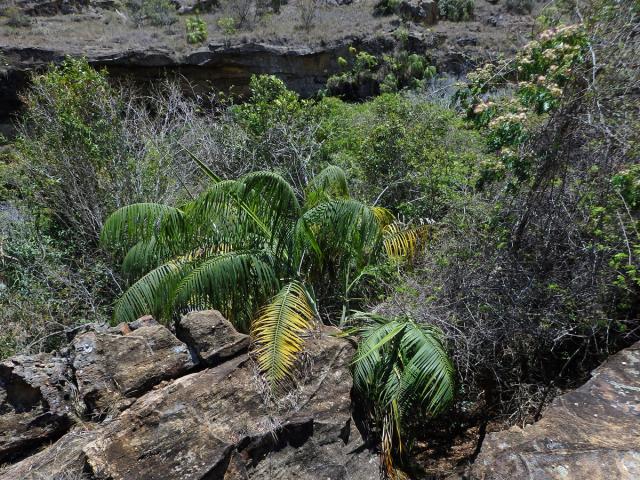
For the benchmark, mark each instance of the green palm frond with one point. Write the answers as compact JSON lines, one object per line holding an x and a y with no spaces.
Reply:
{"x":329,"y":184}
{"x":428,"y":377}
{"x":235,"y":283}
{"x":343,"y":228}
{"x":140,"y":221}
{"x":150,"y":293}
{"x":143,"y":257}
{"x":278,"y":330}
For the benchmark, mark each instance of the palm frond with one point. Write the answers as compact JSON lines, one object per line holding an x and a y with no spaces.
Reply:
{"x":140,"y":221}
{"x":344,"y":228}
{"x":428,"y":377}
{"x":235,"y":283}
{"x":150,"y":293}
{"x":277,"y":332}
{"x":143,"y":257}
{"x":383,"y":215}
{"x":329,"y":184}
{"x":401,"y":242}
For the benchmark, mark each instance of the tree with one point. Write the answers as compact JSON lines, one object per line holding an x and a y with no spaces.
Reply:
{"x":253,"y":250}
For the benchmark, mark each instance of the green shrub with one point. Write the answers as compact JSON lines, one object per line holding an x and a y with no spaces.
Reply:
{"x":456,"y":10}
{"x":45,"y":288}
{"x":366,"y":75}
{"x":228,"y":26}
{"x":158,"y":13}
{"x":196,"y":30}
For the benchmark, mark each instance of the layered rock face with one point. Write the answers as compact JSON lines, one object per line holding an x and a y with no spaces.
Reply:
{"x":156,"y":411}
{"x":590,"y":433}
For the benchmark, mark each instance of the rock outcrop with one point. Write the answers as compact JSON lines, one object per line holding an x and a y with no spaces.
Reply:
{"x":113,"y":366}
{"x":590,"y":433}
{"x":212,"y":337}
{"x":178,"y":419}
{"x":36,"y":402}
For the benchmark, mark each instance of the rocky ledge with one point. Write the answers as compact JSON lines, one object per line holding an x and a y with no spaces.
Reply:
{"x":590,"y":433}
{"x":135,"y":401}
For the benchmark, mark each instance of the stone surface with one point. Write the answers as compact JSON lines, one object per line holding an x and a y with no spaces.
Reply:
{"x":211,"y":336}
{"x":36,"y":402}
{"x":64,"y":460}
{"x":215,"y":424}
{"x":419,"y":11}
{"x":125,"y":362}
{"x":590,"y":433}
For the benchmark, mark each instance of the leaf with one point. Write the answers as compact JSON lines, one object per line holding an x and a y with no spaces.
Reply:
{"x":150,"y":293}
{"x":140,"y":221}
{"x":235,"y":283}
{"x":329,"y":184}
{"x":400,"y":242}
{"x":278,"y":332}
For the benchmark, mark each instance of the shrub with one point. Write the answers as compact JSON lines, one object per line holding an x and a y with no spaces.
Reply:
{"x":386,"y":7}
{"x":228,"y":26}
{"x":16,"y":17}
{"x":158,"y":13}
{"x":369,"y":75}
{"x":307,"y":11}
{"x":89,"y":148}
{"x":196,"y":30}
{"x":456,"y":10}
{"x":521,"y":7}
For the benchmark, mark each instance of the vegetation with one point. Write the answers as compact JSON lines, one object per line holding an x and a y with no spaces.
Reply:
{"x":456,"y":10}
{"x":517,"y":274}
{"x":196,"y":30}
{"x":243,"y":242}
{"x":158,"y":13}
{"x":366,"y":75}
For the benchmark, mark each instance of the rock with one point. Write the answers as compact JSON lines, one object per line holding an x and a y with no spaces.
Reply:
{"x":61,"y":461}
{"x":110,"y":367}
{"x":467,"y":40}
{"x":36,"y":402}
{"x":216,"y":424}
{"x":419,"y":11}
{"x":211,"y":336}
{"x":590,"y":433}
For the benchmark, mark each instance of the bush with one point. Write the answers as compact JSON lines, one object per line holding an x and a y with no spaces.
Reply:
{"x":158,"y":13}
{"x":307,"y":11}
{"x":521,"y":7}
{"x":366,"y":75}
{"x":16,"y":18}
{"x":46,"y":288}
{"x":88,"y":148}
{"x":386,"y":7}
{"x":456,"y":10}
{"x":196,"y":30}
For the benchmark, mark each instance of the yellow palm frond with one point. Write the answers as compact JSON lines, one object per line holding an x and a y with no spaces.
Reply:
{"x":401,"y":242}
{"x":278,"y":330}
{"x":383,"y":216}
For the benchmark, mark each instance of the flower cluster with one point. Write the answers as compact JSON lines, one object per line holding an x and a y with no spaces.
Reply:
{"x":539,"y":75}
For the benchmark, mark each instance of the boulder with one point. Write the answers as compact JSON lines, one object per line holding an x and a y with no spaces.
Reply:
{"x":38,"y":402}
{"x":220,"y":423}
{"x":212,"y":337}
{"x":61,"y":461}
{"x":419,"y":11}
{"x":114,"y":366}
{"x":592,"y":432}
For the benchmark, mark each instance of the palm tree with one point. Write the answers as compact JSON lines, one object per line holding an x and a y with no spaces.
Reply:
{"x":402,"y":368}
{"x":256,"y":252}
